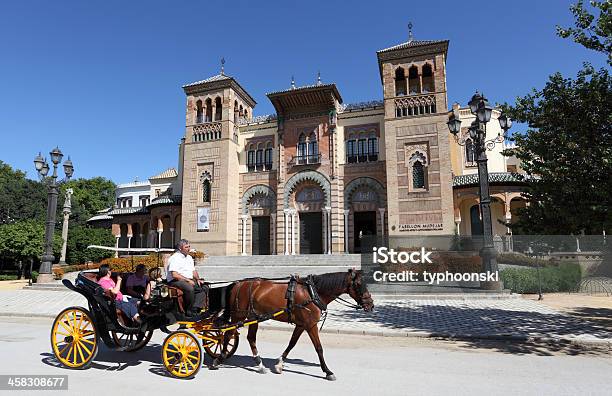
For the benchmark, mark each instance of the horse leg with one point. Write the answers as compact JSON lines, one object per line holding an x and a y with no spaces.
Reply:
{"x":316,"y":342}
{"x":252,"y":338}
{"x":218,"y":360}
{"x":297,"y":332}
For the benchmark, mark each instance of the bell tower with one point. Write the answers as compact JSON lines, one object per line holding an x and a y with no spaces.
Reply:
{"x":215,"y":108}
{"x":419,"y":177}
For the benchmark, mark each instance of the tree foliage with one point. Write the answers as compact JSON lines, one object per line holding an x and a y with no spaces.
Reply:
{"x":20,"y":198}
{"x":26,"y":239}
{"x":567,"y":155}
{"x":89,"y":196}
{"x":592,"y":31}
{"x":80,"y":237}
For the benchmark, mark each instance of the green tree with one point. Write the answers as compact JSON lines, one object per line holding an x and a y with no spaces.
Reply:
{"x":566,"y":154}
{"x":25,"y":239}
{"x":90,"y":196}
{"x":20,"y":198}
{"x":592,"y":31}
{"x":80,"y":237}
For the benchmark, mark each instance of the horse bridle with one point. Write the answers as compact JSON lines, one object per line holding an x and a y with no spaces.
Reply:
{"x":352,"y":286}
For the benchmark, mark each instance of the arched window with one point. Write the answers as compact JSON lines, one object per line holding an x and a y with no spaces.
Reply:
{"x":413,"y":80}
{"x":351,"y":155}
{"x":199,"y":112}
{"x":259,"y":160}
{"x":268,"y":157}
{"x":362,"y":149}
{"x":208,"y":117}
{"x":470,"y":155}
{"x":418,"y":175}
{"x":313,"y":149}
{"x":301,"y":149}
{"x":251,"y":159}
{"x":428,"y":81}
{"x":372,"y":148}
{"x":400,"y":82}
{"x":206,"y":193}
{"x":475,"y":220}
{"x":218,"y":109}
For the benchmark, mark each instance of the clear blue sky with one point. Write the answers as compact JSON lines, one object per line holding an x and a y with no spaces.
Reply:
{"x":103,"y":79}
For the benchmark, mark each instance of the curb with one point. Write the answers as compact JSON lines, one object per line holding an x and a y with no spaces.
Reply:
{"x":401,"y":334}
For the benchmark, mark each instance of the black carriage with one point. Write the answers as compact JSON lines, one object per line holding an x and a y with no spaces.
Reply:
{"x":77,"y":331}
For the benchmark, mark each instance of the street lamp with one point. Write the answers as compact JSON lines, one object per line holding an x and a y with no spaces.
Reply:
{"x":42,"y":167}
{"x":477,"y":132}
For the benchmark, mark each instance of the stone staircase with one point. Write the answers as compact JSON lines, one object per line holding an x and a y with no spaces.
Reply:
{"x":226,"y":268}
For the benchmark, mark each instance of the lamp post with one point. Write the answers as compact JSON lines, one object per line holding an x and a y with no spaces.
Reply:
{"x":477,"y":132}
{"x":42,"y":167}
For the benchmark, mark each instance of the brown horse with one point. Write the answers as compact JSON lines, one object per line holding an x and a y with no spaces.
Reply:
{"x":253,"y":297}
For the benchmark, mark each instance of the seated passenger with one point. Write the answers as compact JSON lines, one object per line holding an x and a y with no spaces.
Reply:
{"x":126,"y":304}
{"x":137,"y":284}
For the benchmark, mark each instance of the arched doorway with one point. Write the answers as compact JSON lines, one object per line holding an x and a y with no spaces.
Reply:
{"x":258,"y":204}
{"x":365,"y":207}
{"x":309,"y":202}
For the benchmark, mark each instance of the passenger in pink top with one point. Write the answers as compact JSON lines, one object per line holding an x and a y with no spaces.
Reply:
{"x":126,"y":304}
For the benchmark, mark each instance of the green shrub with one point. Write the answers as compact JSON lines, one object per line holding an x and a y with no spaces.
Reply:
{"x":564,"y":277}
{"x":34,"y":276}
{"x":521,"y":259}
{"x":8,"y":277}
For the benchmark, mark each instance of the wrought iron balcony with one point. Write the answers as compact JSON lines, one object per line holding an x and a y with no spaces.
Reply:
{"x":305,"y":159}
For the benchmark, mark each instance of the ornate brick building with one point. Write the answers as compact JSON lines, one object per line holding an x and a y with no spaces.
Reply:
{"x":318,"y":175}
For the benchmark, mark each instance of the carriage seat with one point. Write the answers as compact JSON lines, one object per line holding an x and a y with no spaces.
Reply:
{"x":110,"y":296}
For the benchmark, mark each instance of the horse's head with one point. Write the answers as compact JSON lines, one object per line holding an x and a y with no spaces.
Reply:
{"x":358,"y":290}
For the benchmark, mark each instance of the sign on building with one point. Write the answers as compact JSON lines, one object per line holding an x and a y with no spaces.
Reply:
{"x":203,"y":219}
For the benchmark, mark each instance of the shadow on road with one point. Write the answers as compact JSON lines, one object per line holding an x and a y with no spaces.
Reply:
{"x":465,"y":323}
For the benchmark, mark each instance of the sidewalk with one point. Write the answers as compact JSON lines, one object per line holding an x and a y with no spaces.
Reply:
{"x":508,"y":319}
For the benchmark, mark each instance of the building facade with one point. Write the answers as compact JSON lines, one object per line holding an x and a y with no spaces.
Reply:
{"x":318,"y":175}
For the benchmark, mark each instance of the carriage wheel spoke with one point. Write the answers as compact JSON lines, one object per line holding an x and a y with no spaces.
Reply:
{"x":78,"y":347}
{"x":84,"y":347}
{"x":61,"y":351}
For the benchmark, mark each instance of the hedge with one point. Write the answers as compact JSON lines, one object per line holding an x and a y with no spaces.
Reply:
{"x":521,"y":259}
{"x":8,"y":277}
{"x":563,"y":278}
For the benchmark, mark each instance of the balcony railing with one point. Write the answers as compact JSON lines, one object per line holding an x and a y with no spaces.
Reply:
{"x":370,"y":157}
{"x":259,"y":167}
{"x":305,"y":159}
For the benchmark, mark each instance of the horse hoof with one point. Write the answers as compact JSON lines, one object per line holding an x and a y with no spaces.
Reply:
{"x":330,"y":377}
{"x":262,"y":370}
{"x":277,"y":369}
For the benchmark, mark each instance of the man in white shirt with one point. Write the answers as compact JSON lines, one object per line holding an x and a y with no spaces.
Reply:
{"x":181,"y":273}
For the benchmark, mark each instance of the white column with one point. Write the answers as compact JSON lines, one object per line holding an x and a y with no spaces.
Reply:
{"x":172,"y":233}
{"x":140,"y":236}
{"x":129,"y":237}
{"x":244,"y":234}
{"x":286,"y":214}
{"x":328,"y":229}
{"x":346,"y":231}
{"x":159,"y":237}
{"x":382,"y":222}
{"x":324,"y":214}
{"x":273,"y":232}
{"x":293,"y":231}
{"x":116,"y":246}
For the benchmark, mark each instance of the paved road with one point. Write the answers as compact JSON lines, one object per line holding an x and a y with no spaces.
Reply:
{"x":364,"y":365}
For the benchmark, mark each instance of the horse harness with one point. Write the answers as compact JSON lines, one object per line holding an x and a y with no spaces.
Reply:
{"x":312,"y":292}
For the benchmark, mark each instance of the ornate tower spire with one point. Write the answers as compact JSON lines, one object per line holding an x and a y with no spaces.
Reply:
{"x":223,"y":66}
{"x":292,"y":82}
{"x":319,"y":77}
{"x":410,"y":38}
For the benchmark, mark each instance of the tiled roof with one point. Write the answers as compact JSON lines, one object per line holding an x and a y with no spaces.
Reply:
{"x":218,"y":77}
{"x":170,"y":172}
{"x":127,"y":211}
{"x":303,"y":87}
{"x":494,"y":178}
{"x":166,"y":200}
{"x":410,"y":44}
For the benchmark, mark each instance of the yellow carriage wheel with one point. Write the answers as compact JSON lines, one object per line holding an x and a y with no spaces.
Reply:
{"x":73,"y":338}
{"x":182,"y":354}
{"x":213,"y":348}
